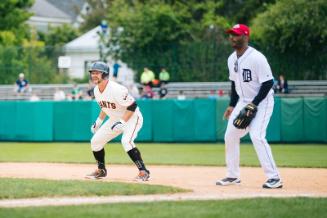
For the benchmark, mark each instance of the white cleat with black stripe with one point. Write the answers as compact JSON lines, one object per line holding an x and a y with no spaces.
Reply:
{"x":273,"y":183}
{"x":228,"y":181}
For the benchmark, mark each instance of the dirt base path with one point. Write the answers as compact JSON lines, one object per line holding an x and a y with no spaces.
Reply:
{"x":200,"y":180}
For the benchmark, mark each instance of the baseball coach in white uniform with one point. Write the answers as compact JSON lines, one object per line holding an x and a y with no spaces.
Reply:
{"x":250,"y":107}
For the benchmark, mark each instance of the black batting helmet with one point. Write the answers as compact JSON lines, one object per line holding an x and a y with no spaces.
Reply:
{"x":100,"y":66}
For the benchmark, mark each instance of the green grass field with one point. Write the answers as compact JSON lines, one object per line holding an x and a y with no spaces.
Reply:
{"x":32,"y":188}
{"x":246,"y":208}
{"x":307,"y":155}
{"x":303,"y":155}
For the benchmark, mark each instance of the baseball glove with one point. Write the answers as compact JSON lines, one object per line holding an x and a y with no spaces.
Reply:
{"x":245,"y":116}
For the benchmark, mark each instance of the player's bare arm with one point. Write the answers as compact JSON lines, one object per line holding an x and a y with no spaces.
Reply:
{"x":228,"y":112}
{"x":102,"y":115}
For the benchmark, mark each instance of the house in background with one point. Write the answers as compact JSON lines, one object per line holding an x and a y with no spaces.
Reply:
{"x":74,"y":8}
{"x":45,"y":15}
{"x":84,"y":50}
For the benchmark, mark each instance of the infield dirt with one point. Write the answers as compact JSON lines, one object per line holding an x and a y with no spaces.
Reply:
{"x":305,"y":182}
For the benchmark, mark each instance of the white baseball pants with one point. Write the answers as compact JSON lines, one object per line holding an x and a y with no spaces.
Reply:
{"x":257,"y":130}
{"x":105,"y":134}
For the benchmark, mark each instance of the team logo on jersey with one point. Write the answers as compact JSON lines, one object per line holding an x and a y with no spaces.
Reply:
{"x":247,"y":77}
{"x":107,"y":104}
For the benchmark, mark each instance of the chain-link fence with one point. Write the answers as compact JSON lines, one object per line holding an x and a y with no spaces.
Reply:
{"x":197,"y":62}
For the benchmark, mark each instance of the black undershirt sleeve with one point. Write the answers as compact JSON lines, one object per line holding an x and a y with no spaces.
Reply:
{"x":233,"y":97}
{"x":264,"y":90}
{"x":132,"y":107}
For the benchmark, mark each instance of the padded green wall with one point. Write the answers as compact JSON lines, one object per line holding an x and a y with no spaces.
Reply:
{"x":26,"y":121}
{"x":293,"y":120}
{"x":273,"y":130}
{"x":315,"y":119}
{"x":184,"y":121}
{"x":221,"y":105}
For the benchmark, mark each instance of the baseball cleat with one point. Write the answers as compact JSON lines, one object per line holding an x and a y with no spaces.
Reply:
{"x":143,"y":175}
{"x":97,"y":174}
{"x":273,"y":183}
{"x":228,"y":181}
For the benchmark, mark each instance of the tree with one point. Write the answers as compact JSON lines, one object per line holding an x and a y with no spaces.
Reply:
{"x":292,"y":34}
{"x":56,"y":38}
{"x":60,"y":35}
{"x":13,"y":16}
{"x":97,"y":13}
{"x":242,"y":11}
{"x":13,"y":31}
{"x":170,"y":33}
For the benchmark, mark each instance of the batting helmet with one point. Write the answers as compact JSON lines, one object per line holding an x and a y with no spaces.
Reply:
{"x":100,"y":66}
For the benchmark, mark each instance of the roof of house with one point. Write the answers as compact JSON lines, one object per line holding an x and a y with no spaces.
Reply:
{"x":89,"y":40}
{"x":42,"y":8}
{"x":71,"y":7}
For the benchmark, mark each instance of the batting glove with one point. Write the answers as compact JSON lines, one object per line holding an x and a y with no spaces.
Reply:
{"x":118,"y":126}
{"x":96,"y":125}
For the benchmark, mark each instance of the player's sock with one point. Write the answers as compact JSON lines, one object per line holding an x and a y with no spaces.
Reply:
{"x":135,"y":155}
{"x":99,"y":156}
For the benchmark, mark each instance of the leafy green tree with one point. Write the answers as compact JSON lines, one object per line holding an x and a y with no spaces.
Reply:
{"x":10,"y":64}
{"x":59,"y":35}
{"x":55,"y":39}
{"x":179,"y":35}
{"x":242,"y":11}
{"x":13,"y":16}
{"x":292,"y":34}
{"x":97,"y":13}
{"x":13,"y":31}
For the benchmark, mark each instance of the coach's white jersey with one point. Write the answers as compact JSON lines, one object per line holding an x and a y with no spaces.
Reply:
{"x":249,"y":72}
{"x":114,"y":100}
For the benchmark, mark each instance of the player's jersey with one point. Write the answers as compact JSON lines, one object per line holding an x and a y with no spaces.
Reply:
{"x":249,"y":72}
{"x":114,"y":100}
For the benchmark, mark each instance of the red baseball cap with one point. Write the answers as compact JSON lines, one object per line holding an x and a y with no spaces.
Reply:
{"x":239,"y":29}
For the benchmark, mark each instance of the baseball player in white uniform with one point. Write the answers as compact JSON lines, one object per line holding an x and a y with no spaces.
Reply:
{"x":252,"y":93}
{"x":124,"y":118}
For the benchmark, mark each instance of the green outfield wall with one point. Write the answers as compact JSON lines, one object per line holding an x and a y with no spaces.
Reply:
{"x":197,"y":120}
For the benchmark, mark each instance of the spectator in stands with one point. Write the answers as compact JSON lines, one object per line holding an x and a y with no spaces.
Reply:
{"x":275,"y":86}
{"x":59,"y":95}
{"x":22,"y":84}
{"x":116,"y":67}
{"x":76,"y":93}
{"x":147,"y":92}
{"x":147,"y":77}
{"x":133,"y":90}
{"x":181,"y":95}
{"x":213,"y":94}
{"x":155,"y":83}
{"x":164,"y":76}
{"x":220,"y":93}
{"x":163,"y":91}
{"x":282,"y":85}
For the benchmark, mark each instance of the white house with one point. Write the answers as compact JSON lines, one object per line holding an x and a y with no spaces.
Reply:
{"x":84,"y":50}
{"x":45,"y":15}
